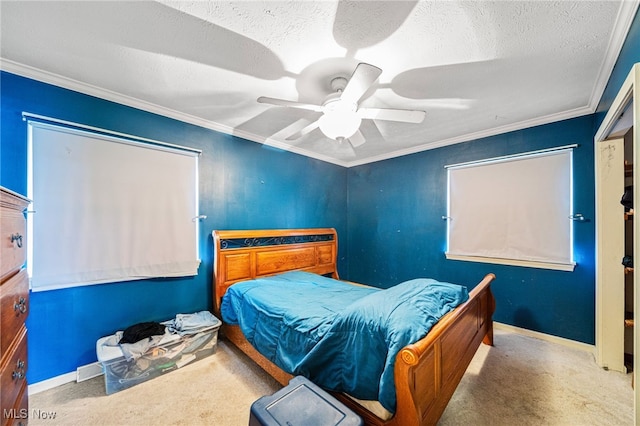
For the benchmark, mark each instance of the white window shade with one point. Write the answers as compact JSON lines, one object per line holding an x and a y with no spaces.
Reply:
{"x":513,"y":210}
{"x":109,"y":209}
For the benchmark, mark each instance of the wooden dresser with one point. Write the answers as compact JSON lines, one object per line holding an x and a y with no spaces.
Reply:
{"x":14,"y":307}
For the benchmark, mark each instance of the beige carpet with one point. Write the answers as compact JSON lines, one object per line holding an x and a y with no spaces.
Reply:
{"x":519,"y":381}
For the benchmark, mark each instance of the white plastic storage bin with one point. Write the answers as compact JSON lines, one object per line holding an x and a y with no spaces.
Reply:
{"x":172,"y":352}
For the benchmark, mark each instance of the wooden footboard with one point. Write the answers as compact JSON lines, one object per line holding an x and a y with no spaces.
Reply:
{"x":427,"y":372}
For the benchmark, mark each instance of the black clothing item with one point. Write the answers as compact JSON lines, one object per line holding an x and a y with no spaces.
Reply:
{"x":140,"y":331}
{"x":627,"y":197}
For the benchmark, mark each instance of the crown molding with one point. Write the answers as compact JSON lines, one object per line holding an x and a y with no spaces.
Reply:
{"x":109,"y":95}
{"x":71,"y":84}
{"x":624,"y":20}
{"x":547,"y":119}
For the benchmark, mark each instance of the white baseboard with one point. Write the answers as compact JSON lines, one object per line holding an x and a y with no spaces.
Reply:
{"x":89,"y":371}
{"x":52,"y":383}
{"x":546,"y":337}
{"x":84,"y":372}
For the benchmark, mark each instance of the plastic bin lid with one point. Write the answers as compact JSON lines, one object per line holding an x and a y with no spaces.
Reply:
{"x":303,"y":403}
{"x":106,"y":352}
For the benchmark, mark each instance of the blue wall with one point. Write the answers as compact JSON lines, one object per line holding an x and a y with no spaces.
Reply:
{"x":242,"y":185}
{"x":396,"y":231}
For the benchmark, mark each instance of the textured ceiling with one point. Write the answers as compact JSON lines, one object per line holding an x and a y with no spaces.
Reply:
{"x":477,"y":68}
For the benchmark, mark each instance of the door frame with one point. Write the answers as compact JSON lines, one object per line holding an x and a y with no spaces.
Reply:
{"x":629,"y":92}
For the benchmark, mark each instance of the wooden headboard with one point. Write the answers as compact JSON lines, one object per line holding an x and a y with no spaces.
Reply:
{"x":244,"y":255}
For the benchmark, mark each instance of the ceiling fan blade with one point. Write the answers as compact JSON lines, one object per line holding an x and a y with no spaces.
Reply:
{"x":403,"y":115}
{"x":357,"y":139}
{"x":291,"y":104}
{"x":306,"y":130}
{"x":361,"y":79}
{"x":383,"y":19}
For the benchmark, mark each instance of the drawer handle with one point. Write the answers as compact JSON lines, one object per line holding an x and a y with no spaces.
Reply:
{"x":16,"y":238}
{"x":18,"y":374}
{"x":20,"y":306}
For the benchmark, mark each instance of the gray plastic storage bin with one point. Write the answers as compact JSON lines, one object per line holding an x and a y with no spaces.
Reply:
{"x":301,"y":403}
{"x":175,"y":353}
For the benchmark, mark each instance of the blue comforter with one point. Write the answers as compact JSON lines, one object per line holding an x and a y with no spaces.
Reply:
{"x":341,"y":336}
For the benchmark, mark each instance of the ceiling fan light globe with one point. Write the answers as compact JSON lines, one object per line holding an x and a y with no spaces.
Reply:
{"x":339,"y":124}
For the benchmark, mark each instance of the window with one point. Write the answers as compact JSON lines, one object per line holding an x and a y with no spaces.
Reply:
{"x":109,"y":209}
{"x":514,"y":210}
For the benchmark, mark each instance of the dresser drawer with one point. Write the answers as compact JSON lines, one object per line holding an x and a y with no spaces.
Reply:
{"x":19,"y":416}
{"x":14,"y":308}
{"x":13,"y":240}
{"x":13,"y":372}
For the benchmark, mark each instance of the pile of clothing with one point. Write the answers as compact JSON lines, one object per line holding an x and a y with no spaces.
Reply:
{"x":149,"y":349}
{"x":136,"y":340}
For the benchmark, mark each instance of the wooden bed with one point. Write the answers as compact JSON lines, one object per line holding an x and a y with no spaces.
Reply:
{"x":426,"y":372}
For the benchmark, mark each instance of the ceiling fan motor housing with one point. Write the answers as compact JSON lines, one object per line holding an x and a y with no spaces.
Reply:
{"x":341,"y":117}
{"x":338,"y":84}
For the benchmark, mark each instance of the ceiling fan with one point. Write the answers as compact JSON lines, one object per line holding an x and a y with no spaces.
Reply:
{"x":341,"y":115}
